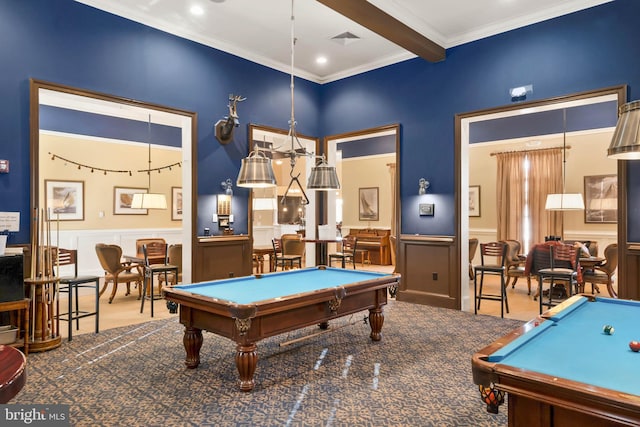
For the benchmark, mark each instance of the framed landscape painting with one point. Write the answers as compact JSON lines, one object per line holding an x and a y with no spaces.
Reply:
{"x":601,"y":199}
{"x":64,"y":200}
{"x":368,"y":204}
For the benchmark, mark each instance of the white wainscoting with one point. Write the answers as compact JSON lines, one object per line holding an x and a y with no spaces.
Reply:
{"x":85,"y":242}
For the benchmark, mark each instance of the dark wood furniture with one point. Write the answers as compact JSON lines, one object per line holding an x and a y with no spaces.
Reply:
{"x":44,"y":325}
{"x":116,"y":271}
{"x":157,"y":248}
{"x":219,"y":257}
{"x":248,"y":309}
{"x":376,"y":241}
{"x":347,"y":252}
{"x":152,"y":270}
{"x":282,"y":259}
{"x":19,"y":317}
{"x":13,"y":372}
{"x":258,"y":255}
{"x":70,"y":284}
{"x":492,"y":262}
{"x":547,"y":367}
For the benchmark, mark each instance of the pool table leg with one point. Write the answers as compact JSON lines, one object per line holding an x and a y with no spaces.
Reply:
{"x":192,"y":343}
{"x":376,"y":319}
{"x":246,"y":360}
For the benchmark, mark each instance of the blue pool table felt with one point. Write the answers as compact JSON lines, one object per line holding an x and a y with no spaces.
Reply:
{"x":249,"y":289}
{"x":573,"y":345}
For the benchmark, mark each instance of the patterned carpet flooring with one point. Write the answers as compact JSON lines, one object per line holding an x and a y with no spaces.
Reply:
{"x":418,"y":375}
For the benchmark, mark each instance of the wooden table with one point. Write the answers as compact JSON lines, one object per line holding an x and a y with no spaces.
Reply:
{"x":259,"y":252}
{"x":13,"y":373}
{"x":251,"y":308}
{"x":22,"y":321}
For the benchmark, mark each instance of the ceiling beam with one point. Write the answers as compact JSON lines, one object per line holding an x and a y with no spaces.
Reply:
{"x":385,"y":25}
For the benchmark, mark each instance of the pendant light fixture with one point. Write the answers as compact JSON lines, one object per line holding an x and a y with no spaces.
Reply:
{"x":625,"y":144}
{"x":149,"y":200}
{"x":256,"y":170}
{"x":564,"y":201}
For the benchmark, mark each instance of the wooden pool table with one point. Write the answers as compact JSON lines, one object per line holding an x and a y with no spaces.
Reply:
{"x":248,"y":309}
{"x":562,"y":369}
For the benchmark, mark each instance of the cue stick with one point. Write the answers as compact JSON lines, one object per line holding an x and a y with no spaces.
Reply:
{"x":34,"y":245}
{"x":315,"y":334}
{"x":57,"y":284}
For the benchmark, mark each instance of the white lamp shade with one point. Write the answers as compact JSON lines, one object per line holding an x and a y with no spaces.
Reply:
{"x":149,"y":201}
{"x":264,"y":204}
{"x":564,"y":202}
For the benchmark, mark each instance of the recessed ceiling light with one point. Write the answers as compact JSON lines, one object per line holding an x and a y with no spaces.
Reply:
{"x":196,"y":10}
{"x":321,"y":60}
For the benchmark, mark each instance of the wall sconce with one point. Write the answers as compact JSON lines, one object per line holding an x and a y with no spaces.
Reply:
{"x":227,"y":186}
{"x":423,"y":184}
{"x":520,"y":93}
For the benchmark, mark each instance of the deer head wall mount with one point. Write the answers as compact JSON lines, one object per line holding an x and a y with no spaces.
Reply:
{"x":224,"y":127}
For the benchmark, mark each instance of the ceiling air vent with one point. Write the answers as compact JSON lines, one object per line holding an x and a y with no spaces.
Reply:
{"x":345,"y":38}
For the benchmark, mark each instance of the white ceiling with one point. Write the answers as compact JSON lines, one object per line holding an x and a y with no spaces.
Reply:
{"x":260,"y":30}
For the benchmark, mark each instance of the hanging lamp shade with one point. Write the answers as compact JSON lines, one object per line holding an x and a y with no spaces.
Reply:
{"x":149,"y":201}
{"x":625,"y":144}
{"x":256,"y":172}
{"x":323,"y":177}
{"x":564,"y":202}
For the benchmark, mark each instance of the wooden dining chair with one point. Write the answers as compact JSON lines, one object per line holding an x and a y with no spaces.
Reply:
{"x":603,"y":274}
{"x":562,"y":274}
{"x":473,"y":248}
{"x":280,"y":259}
{"x":347,"y":252}
{"x":515,"y":265}
{"x":116,"y":271}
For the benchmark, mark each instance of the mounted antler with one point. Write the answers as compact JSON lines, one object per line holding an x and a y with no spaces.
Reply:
{"x":224,"y":128}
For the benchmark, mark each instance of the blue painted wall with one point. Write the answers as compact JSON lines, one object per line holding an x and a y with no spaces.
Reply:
{"x":587,"y":50}
{"x":66,"y":42}
{"x":69,"y":43}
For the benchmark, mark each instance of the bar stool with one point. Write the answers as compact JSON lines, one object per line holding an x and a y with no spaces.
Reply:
{"x":492,"y":258}
{"x":150,"y":270}
{"x":70,"y":286}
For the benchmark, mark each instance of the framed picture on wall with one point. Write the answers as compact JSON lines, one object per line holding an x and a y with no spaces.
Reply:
{"x":176,"y":203}
{"x":122,"y":198}
{"x":64,"y":200}
{"x":601,"y":199}
{"x":474,"y":200}
{"x":368,"y":204}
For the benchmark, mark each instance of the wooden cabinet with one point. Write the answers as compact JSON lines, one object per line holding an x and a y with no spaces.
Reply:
{"x":222,"y":257}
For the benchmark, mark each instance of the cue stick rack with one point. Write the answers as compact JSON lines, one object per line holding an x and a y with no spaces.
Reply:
{"x":42,"y":286}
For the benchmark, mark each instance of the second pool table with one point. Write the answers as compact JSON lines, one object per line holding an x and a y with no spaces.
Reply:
{"x":248,"y":309}
{"x":563,"y":369}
